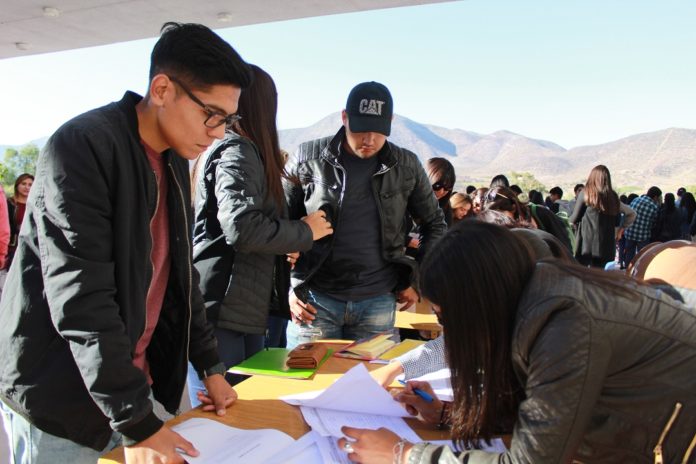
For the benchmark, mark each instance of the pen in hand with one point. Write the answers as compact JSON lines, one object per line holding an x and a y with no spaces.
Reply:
{"x":419,"y":392}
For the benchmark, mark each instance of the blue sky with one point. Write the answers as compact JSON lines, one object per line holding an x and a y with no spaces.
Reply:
{"x":575,"y":73}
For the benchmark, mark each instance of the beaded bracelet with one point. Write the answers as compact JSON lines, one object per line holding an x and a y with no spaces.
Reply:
{"x":398,"y":451}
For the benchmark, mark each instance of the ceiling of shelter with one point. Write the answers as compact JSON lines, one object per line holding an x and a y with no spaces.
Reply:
{"x":30,"y":27}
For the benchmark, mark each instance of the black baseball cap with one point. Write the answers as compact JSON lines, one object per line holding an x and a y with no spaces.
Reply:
{"x":370,"y":108}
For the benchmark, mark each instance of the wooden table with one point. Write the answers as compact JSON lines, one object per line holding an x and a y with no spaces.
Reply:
{"x":418,"y":317}
{"x":258,"y":406}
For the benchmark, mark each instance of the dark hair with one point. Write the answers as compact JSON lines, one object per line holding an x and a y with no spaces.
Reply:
{"x":516,"y":188}
{"x":689,"y":203}
{"x":258,"y":106}
{"x":498,"y":180}
{"x":499,"y":218}
{"x":681,"y":191}
{"x":478,"y":318}
{"x":21,"y":178}
{"x":631,"y":197}
{"x":441,"y":171}
{"x":623,"y":199}
{"x":556,"y":191}
{"x":536,"y":197}
{"x":198,"y":56}
{"x":654,"y":192}
{"x":504,"y":199}
{"x":599,"y":193}
{"x":668,"y":204}
{"x":469,"y":189}
{"x":578,"y":187}
{"x":479,"y":196}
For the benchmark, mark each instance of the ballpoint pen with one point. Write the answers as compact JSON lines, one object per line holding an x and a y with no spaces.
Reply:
{"x":419,"y":392}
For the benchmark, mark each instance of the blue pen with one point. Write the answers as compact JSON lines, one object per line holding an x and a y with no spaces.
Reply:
{"x":419,"y":392}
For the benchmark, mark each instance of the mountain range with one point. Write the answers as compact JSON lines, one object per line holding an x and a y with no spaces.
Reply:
{"x":666,"y":158}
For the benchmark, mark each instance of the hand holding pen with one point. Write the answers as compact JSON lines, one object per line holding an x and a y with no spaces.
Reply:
{"x":419,"y":400}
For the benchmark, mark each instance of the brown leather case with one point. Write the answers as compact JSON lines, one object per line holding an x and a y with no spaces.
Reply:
{"x":307,"y":356}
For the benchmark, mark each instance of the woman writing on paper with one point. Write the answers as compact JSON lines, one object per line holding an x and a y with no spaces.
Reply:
{"x":242,"y":232}
{"x":589,"y":366}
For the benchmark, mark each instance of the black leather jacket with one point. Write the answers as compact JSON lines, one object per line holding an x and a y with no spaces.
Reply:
{"x":316,"y":181}
{"x":602,"y":375}
{"x":73,"y":307}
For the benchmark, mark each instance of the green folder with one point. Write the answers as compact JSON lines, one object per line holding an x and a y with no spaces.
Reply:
{"x":272,"y":362}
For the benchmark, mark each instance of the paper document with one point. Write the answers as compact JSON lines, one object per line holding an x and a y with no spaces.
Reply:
{"x":327,"y":422}
{"x":303,"y":451}
{"x":221,"y":444}
{"x":440,"y":382}
{"x":355,"y":391}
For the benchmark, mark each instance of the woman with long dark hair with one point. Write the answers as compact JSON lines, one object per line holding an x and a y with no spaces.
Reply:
{"x":242,"y":234}
{"x":589,"y":366}
{"x":687,"y":207}
{"x":668,"y":225}
{"x":596,"y":216}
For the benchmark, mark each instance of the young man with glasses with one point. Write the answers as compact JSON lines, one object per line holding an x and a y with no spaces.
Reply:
{"x":347,"y":285}
{"x":102,"y":309}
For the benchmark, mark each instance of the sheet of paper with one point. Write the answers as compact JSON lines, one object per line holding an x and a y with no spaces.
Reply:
{"x":328,"y":422}
{"x":303,"y":451}
{"x":440,"y":381}
{"x":496,"y":446}
{"x":355,"y":391}
{"x":221,"y":444}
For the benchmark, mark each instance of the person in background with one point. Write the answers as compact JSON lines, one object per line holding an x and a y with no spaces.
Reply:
{"x":504,"y":200}
{"x":668,"y":225}
{"x":16,"y":206}
{"x":687,"y":207}
{"x":347,"y":285}
{"x":101,"y":310}
{"x":442,"y":177}
{"x":585,"y":365}
{"x":638,"y":235}
{"x":477,"y":199}
{"x":597,"y":214}
{"x":536,"y":197}
{"x":516,"y":188}
{"x":242,"y":232}
{"x":470,"y":189}
{"x":558,"y":204}
{"x":498,"y":181}
{"x":462,"y":207}
{"x":576,"y":191}
{"x":680,"y":193}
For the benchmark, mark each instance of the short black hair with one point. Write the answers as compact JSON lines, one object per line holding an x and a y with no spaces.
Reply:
{"x":578,"y":187}
{"x":654,"y":192}
{"x":470,"y":189}
{"x":557,"y":191}
{"x":198,"y":56}
{"x":516,"y":188}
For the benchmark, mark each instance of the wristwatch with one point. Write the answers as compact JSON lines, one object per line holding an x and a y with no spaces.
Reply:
{"x":218,"y":368}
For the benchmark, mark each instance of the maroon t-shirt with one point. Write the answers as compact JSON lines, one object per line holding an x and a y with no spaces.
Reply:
{"x":159,"y":257}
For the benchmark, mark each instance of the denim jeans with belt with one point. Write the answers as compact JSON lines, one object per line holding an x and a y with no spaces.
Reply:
{"x":350,"y":320}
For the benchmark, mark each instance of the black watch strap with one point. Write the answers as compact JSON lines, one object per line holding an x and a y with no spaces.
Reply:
{"x":218,"y":368}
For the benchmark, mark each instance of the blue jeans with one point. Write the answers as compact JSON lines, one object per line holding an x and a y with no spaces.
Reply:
{"x":632,"y":248}
{"x":30,"y":445}
{"x":233,"y":348}
{"x":350,"y":320}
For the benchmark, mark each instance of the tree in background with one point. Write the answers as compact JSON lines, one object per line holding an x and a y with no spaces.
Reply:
{"x":16,"y":162}
{"x":526,"y":181}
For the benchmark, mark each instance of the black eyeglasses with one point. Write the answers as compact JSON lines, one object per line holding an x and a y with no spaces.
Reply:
{"x":440,"y":186}
{"x":215,"y":118}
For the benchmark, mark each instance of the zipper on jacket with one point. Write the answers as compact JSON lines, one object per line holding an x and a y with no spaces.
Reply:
{"x":188,"y":260}
{"x":659,"y":459}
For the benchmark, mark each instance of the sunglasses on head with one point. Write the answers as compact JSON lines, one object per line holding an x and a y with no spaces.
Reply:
{"x":491,"y":195}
